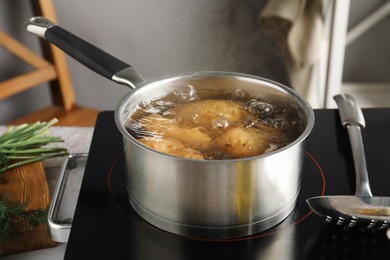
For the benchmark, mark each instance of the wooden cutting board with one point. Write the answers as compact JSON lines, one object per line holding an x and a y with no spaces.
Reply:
{"x":27,"y":184}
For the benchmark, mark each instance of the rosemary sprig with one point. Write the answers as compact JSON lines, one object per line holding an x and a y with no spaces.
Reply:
{"x":22,"y":145}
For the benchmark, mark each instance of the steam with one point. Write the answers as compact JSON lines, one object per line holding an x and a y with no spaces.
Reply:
{"x":231,"y":39}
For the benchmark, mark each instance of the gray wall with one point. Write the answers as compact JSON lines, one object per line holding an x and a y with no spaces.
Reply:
{"x":367,"y":59}
{"x":165,"y":37}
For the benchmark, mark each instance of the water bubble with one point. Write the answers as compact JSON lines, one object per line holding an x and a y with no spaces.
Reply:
{"x":158,"y":107}
{"x":250,"y":122}
{"x":149,"y":108}
{"x":260,"y":108}
{"x":238,"y":94}
{"x":220,"y":122}
{"x":195,"y":119}
{"x":136,"y":129}
{"x":186,"y":94}
{"x":280,"y":123}
{"x":272,"y":147}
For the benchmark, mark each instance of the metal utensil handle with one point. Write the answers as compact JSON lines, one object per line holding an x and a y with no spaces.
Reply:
{"x":60,"y":232}
{"x":84,"y":52}
{"x":353,"y":120}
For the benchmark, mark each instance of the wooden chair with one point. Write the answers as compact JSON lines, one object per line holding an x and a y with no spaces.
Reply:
{"x":51,"y":68}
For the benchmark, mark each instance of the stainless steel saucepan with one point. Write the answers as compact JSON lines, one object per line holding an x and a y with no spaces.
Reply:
{"x":215,"y":199}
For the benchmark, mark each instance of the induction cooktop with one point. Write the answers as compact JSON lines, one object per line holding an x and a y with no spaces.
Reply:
{"x":106,"y":227}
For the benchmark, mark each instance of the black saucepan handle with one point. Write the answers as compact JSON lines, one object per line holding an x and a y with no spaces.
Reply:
{"x":84,"y":52}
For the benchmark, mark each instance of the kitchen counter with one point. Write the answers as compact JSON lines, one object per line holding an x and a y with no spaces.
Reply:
{"x":327,"y":168}
{"x":77,"y":140}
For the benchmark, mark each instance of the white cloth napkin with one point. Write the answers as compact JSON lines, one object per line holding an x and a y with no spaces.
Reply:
{"x":303,"y":22}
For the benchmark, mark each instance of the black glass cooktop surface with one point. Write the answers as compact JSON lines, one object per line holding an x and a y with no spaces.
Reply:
{"x":106,"y":227}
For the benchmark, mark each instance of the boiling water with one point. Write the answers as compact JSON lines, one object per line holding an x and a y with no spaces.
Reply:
{"x":211,"y":125}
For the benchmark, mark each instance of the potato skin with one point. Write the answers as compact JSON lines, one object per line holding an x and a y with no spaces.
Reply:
{"x":167,"y":128}
{"x":172,"y":147}
{"x":203,"y":112}
{"x":242,"y":142}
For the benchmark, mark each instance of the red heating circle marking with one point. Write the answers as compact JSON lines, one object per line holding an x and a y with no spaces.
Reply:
{"x":110,"y":173}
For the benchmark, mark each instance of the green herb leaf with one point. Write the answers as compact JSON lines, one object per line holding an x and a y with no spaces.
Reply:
{"x":21,"y":145}
{"x":11,"y":213}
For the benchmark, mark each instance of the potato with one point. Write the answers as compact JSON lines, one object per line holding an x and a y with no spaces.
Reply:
{"x":242,"y":142}
{"x":202,"y":113}
{"x":172,"y":147}
{"x":165,"y":127}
